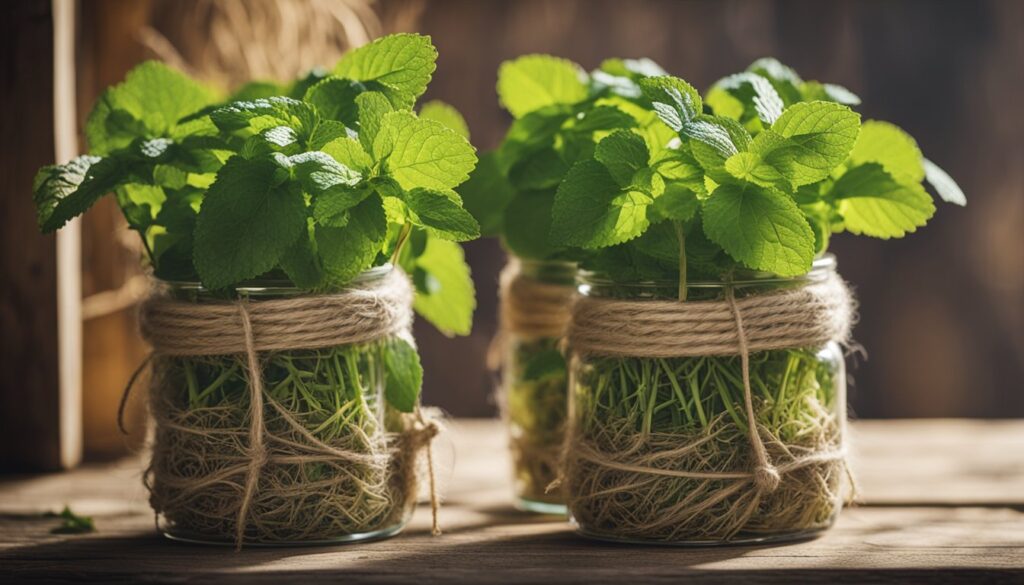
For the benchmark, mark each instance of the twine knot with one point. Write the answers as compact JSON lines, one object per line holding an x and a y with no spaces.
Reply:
{"x":353,"y":316}
{"x":767,"y":478}
{"x":817,"y":311}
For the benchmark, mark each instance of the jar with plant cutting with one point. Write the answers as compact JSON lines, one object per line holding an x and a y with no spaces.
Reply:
{"x":511,"y":194}
{"x":291,"y":230}
{"x":707,"y":402}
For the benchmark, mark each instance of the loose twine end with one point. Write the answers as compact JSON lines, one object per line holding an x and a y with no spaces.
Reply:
{"x":766,"y":476}
{"x":429,"y":429}
{"x":177,"y":328}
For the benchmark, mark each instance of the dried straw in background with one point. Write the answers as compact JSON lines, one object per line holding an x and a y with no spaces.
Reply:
{"x":231,"y":42}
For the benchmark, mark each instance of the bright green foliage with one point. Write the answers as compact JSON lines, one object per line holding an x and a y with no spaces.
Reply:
{"x":891,"y":147}
{"x":561,"y":116}
{"x":71,"y":523}
{"x":444,"y":289}
{"x":247,"y":221}
{"x":872,"y":202}
{"x":398,"y":66}
{"x":532,"y":82}
{"x":312,"y":183}
{"x":422,"y":153}
{"x":592,"y":211}
{"x":760,"y":174}
{"x":760,"y":227}
{"x":149,"y":103}
{"x":404,"y":375}
{"x":446,"y":115}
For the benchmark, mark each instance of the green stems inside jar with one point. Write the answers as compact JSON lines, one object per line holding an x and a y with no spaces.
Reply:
{"x":659,"y":448}
{"x":535,"y":299}
{"x":331,"y":463}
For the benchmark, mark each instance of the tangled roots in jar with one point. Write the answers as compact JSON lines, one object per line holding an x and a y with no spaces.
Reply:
{"x":694,"y":486}
{"x":326,"y":470}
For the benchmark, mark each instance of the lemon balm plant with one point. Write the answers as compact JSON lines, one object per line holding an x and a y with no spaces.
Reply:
{"x":708,"y":401}
{"x":560,"y":113}
{"x":285,"y":379}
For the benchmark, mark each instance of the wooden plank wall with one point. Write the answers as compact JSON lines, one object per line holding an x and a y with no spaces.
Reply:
{"x":29,"y":386}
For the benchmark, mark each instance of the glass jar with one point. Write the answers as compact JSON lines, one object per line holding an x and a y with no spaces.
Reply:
{"x":534,"y":378}
{"x":332,"y":472}
{"x":659,"y":449}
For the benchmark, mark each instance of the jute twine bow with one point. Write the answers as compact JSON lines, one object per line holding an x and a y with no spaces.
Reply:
{"x":355,"y":316}
{"x":804,"y":316}
{"x":529,"y":308}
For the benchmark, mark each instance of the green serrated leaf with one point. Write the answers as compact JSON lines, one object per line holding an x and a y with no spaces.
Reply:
{"x":677,"y":203}
{"x":422,"y":153}
{"x":829,"y":92}
{"x":486,"y":194}
{"x":447,"y":299}
{"x":527,"y":224}
{"x":265,"y":113}
{"x":147,"y":104}
{"x":676,"y":102}
{"x":63,"y":192}
{"x":601,"y":118}
{"x":318,"y":171}
{"x":445,"y":114}
{"x":760,"y":227}
{"x":350,"y":153}
{"x":331,"y":207}
{"x":335,"y":99}
{"x":756,"y":94}
{"x":872,"y":202}
{"x":399,"y":66}
{"x":372,"y":107}
{"x":713,"y":139}
{"x":301,"y":263}
{"x":785,"y":80}
{"x":592,"y":211}
{"x":818,"y":137}
{"x":891,"y":147}
{"x":532,"y":82}
{"x":543,"y":169}
{"x":748,"y":166}
{"x":442,"y":216}
{"x":403,"y":375}
{"x":328,"y":131}
{"x":623,"y":153}
{"x":247,"y":222}
{"x":680,"y":166}
{"x":348,"y":251}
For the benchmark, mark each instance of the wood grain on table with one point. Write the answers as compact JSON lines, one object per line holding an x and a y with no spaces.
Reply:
{"x":943,"y":502}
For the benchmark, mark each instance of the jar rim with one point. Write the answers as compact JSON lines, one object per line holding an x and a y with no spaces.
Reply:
{"x":271,"y":287}
{"x":822,"y":265}
{"x":558,"y":272}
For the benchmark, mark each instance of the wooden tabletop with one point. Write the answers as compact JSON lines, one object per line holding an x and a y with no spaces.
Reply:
{"x":943,"y":502}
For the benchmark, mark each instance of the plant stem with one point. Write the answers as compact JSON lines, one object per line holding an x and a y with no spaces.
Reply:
{"x":402,"y":237}
{"x":682,"y":259}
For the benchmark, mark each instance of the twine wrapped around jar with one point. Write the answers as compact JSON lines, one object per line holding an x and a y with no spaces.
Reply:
{"x":224,"y":493}
{"x":812,"y":314}
{"x":535,"y":302}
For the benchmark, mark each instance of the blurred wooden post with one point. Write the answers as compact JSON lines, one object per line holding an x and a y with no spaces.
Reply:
{"x":107,"y":48}
{"x":40,"y":295}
